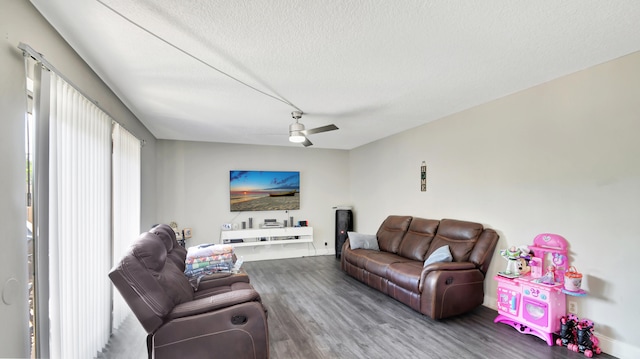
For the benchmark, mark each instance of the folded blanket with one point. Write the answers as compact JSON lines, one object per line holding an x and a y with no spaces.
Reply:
{"x":205,"y":250}
{"x":215,"y":268}
{"x":207,"y":259}
{"x":207,"y":263}
{"x":219,"y":257}
{"x":195,"y":276}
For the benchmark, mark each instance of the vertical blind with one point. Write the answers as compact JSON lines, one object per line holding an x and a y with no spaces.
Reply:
{"x":126,"y":205}
{"x":87,"y":171}
{"x":79,"y":223}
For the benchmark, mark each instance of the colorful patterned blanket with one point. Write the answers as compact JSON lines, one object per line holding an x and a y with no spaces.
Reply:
{"x":207,"y":259}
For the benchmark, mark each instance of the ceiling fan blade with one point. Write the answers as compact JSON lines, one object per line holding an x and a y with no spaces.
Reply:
{"x":307,"y":143}
{"x":320,"y":129}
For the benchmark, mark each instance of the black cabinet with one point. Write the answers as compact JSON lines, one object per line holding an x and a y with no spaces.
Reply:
{"x":344,"y":224}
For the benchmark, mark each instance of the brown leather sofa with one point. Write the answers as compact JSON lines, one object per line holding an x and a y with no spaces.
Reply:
{"x":222,"y":318}
{"x":439,"y":290}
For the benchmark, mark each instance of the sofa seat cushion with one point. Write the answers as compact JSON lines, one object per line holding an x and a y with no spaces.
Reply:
{"x":357,"y":257}
{"x":405,"y":275}
{"x":378,"y":262}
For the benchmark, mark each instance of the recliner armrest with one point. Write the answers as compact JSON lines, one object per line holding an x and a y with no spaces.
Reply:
{"x":443,"y":266}
{"x":239,"y":331}
{"x":213,"y":302}
{"x":221,"y":279}
{"x":346,"y":245}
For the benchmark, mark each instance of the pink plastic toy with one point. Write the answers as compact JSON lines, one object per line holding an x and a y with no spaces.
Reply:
{"x":535,"y":305}
{"x":536,"y":267}
{"x":549,"y":277}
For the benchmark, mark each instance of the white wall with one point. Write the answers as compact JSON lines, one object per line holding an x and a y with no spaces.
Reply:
{"x":562,"y":157}
{"x":20,"y":22}
{"x":14,"y":338}
{"x":193,"y":189}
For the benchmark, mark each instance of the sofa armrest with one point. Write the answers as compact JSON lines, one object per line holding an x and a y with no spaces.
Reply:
{"x":213,"y":302}
{"x":483,"y":250}
{"x":221,"y":279}
{"x":346,"y":244}
{"x":239,"y":331}
{"x":443,"y":266}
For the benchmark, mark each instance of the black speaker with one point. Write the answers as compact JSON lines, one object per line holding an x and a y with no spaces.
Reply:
{"x":344,"y":224}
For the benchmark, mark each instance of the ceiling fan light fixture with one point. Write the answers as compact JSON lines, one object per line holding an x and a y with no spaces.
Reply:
{"x":296,"y":137}
{"x":295,"y":132}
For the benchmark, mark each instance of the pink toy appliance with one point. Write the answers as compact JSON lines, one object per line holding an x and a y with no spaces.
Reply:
{"x":534,"y":304}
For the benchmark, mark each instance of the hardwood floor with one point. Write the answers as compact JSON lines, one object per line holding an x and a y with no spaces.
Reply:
{"x":127,"y":342}
{"x":316,"y":311}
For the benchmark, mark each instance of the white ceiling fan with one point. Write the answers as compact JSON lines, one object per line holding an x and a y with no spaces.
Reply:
{"x":298,"y":134}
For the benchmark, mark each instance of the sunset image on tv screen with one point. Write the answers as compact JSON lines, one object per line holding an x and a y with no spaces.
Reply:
{"x":264,"y":190}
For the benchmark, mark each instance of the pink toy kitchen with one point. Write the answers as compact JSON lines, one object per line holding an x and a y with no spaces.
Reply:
{"x":532,"y":292}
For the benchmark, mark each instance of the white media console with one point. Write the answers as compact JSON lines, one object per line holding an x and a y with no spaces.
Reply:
{"x":267,"y":238}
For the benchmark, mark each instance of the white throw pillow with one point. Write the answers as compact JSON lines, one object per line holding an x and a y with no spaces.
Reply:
{"x":442,"y":254}
{"x":364,"y":241}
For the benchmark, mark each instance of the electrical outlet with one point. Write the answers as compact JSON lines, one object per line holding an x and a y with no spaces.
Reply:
{"x":573,"y":307}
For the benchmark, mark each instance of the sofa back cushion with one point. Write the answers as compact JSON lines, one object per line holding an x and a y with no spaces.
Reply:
{"x":175,"y":252}
{"x":417,"y":240}
{"x":460,"y":236}
{"x":151,"y":251}
{"x":484,"y":248}
{"x":391,"y":232}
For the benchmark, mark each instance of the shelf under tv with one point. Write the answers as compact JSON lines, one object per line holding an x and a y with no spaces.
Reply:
{"x":268,"y":236}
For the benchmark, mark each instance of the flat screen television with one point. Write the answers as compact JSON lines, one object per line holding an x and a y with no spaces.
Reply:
{"x":264,"y":190}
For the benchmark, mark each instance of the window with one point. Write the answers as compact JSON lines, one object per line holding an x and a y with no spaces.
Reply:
{"x":86,"y":204}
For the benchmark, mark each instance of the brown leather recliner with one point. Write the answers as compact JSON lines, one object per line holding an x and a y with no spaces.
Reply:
{"x":224,"y":319}
{"x":439,"y":290}
{"x":178,"y":255}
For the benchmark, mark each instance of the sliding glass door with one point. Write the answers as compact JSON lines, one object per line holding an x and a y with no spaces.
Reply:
{"x":83,"y":201}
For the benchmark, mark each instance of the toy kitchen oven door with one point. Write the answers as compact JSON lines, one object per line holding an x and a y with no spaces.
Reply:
{"x":533,"y":303}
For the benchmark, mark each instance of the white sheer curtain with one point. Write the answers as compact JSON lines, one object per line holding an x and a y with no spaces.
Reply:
{"x":126,"y":205}
{"x":79,"y":223}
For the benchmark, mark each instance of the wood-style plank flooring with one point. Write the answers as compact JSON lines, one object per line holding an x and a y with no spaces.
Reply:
{"x":316,"y":311}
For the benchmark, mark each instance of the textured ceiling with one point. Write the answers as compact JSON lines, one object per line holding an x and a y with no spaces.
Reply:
{"x":233,"y":71}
